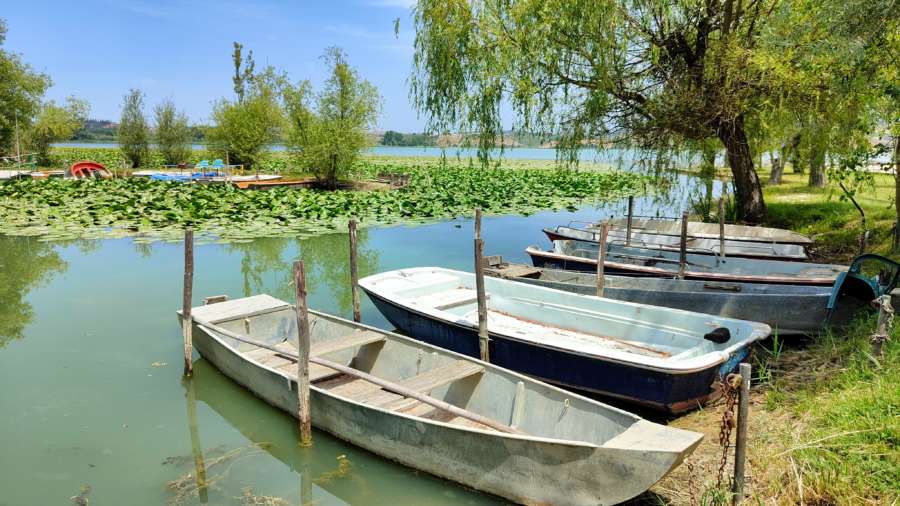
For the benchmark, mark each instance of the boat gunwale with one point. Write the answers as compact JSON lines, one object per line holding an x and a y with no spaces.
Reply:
{"x":556,"y":233}
{"x":792,"y":237}
{"x":758,"y":331}
{"x":525,"y":437}
{"x":765,"y":278}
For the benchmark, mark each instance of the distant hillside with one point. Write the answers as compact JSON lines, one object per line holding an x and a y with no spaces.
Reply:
{"x":97,"y":130}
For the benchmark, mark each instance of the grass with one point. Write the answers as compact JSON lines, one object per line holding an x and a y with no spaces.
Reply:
{"x":825,"y":414}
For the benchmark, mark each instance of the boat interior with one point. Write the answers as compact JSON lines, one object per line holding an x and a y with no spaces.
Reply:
{"x":516,"y":404}
{"x":618,"y":330}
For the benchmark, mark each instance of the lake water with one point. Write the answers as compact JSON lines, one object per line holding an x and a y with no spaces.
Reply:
{"x":92,"y":397}
{"x":588,"y":155}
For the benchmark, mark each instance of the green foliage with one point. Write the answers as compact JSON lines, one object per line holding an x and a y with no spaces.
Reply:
{"x":55,"y":123}
{"x":243,"y":70}
{"x":328,"y":141}
{"x":173,"y":135}
{"x":134,"y":134}
{"x":62,"y":209}
{"x":21,"y":90}
{"x":243,"y":130}
{"x":392,"y":138}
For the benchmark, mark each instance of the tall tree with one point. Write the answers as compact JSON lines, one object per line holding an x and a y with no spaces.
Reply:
{"x":56,"y":123}
{"x":173,"y":135}
{"x":243,"y":130}
{"x":134,"y":134}
{"x":243,"y":70}
{"x":328,"y":142}
{"x":21,"y":90}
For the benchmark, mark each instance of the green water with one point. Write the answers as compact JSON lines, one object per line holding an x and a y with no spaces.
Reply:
{"x":92,"y":394}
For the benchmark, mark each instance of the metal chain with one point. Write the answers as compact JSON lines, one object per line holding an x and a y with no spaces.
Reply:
{"x":728,"y":422}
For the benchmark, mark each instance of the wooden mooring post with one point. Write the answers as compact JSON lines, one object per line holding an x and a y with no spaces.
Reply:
{"x":601,"y":256}
{"x":883,"y":328}
{"x":186,"y":320}
{"x":722,"y":228}
{"x":682,"y":257}
{"x":483,"y":339}
{"x":354,"y":272}
{"x":740,"y":443}
{"x":303,"y":410}
{"x":628,"y":220}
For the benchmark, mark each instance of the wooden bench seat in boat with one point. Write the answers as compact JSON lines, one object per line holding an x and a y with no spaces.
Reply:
{"x":365,"y":392}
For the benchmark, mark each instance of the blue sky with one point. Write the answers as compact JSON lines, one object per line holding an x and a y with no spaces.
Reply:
{"x":98,"y":49}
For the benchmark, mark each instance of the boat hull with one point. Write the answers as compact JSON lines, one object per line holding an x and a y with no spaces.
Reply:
{"x":695,"y":245}
{"x":552,"y":260}
{"x":789,"y":310}
{"x":664,"y":391}
{"x":523,"y":470}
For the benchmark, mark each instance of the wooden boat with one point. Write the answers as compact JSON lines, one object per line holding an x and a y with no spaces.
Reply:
{"x":701,"y":246}
{"x":659,"y":357}
{"x":788,"y":309}
{"x":544,"y":445}
{"x":711,"y":230}
{"x":631,"y":261}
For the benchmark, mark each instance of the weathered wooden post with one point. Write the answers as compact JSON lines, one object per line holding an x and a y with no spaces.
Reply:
{"x":722,"y":228}
{"x":186,"y":320}
{"x":740,"y":444}
{"x":483,"y":339}
{"x":302,"y":355}
{"x":628,"y":220}
{"x":601,"y":258}
{"x":682,"y":257}
{"x":354,"y":272}
{"x":883,"y":329}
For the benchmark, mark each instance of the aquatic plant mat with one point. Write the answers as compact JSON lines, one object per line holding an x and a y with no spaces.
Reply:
{"x":62,"y":209}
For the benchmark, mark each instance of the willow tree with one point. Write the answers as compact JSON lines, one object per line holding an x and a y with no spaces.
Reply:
{"x":656,"y":72}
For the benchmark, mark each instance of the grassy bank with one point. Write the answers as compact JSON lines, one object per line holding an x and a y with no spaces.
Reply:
{"x":825,"y":414}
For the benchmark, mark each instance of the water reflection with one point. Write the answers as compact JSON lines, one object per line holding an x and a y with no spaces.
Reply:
{"x":265,"y":263}
{"x":25,"y":263}
{"x":328,"y":473}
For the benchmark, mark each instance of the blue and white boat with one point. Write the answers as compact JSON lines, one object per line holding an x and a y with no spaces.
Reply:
{"x":664,"y":358}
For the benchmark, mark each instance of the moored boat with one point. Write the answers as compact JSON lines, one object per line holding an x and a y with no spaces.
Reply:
{"x":632,"y":261}
{"x":698,"y":245}
{"x":554,"y":447}
{"x":663,"y":358}
{"x":788,"y":309}
{"x":711,"y":230}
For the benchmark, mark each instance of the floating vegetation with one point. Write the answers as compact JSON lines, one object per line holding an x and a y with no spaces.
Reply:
{"x":188,"y":486}
{"x":58,"y":209}
{"x":248,"y":498}
{"x":343,"y":470}
{"x":82,"y":498}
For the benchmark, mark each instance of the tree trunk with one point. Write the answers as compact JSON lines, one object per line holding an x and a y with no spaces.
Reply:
{"x":817,"y":176}
{"x":751,"y":207}
{"x":794,"y":148}
{"x":777,"y":166}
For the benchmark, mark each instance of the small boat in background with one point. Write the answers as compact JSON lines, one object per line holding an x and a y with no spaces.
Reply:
{"x":659,"y":357}
{"x":631,"y":261}
{"x":701,"y":246}
{"x":543,"y":445}
{"x":703,"y":230}
{"x":86,"y":169}
{"x":788,"y":309}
